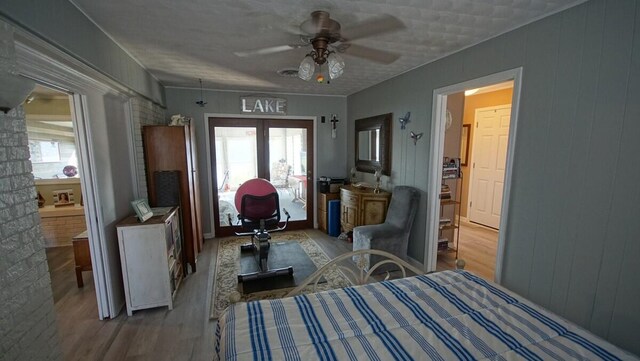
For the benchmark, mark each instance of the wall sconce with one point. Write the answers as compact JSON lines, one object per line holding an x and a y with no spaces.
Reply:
{"x":14,"y":89}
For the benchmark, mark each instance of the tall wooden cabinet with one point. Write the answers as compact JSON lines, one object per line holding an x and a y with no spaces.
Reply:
{"x":173,"y":148}
{"x":361,"y":206}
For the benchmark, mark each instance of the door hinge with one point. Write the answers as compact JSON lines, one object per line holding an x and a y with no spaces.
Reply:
{"x":476,"y":124}
{"x":470,"y":204}
{"x":474,"y":165}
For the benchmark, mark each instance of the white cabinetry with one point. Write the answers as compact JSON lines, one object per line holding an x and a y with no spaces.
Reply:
{"x":151,"y":258}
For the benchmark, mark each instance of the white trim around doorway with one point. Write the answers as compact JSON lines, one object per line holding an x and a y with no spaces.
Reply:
{"x":436,"y":154}
{"x":244,"y":116}
{"x":48,"y":66}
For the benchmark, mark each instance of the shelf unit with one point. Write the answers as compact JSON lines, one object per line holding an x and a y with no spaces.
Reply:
{"x":455,"y":202}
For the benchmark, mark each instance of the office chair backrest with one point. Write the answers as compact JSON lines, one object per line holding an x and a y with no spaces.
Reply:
{"x":254,"y":208}
{"x":256,"y":187}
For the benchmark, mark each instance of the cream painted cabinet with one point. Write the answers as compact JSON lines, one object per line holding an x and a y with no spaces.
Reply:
{"x":151,"y":260}
{"x":361,"y":206}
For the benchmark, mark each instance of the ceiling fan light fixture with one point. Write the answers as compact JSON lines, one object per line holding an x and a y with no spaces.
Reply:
{"x":336,"y":65}
{"x":307,"y":68}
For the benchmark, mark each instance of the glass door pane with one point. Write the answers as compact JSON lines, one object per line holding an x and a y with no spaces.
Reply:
{"x":236,"y":161}
{"x":288,"y":169}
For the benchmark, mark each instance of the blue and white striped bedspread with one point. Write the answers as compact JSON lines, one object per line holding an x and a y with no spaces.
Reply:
{"x":442,"y":316}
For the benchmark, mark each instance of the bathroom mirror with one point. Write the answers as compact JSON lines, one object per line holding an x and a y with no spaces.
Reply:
{"x":373,"y":143}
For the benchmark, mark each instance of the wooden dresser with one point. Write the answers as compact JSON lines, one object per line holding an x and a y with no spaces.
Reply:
{"x":361,"y":206}
{"x":323,"y":209}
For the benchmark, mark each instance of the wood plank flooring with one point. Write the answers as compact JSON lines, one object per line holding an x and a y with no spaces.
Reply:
{"x":478,"y":246}
{"x":185,"y":333}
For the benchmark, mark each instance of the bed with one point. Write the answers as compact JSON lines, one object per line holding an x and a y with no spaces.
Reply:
{"x":447,"y":315}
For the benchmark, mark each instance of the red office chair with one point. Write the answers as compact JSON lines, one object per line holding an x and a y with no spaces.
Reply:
{"x":259,"y":206}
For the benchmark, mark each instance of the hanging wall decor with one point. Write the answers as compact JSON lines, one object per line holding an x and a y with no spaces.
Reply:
{"x":405,"y":120}
{"x":415,"y":137}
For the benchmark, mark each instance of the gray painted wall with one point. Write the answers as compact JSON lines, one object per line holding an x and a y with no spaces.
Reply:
{"x":330,"y":157}
{"x":572,"y":232}
{"x":63,"y":25}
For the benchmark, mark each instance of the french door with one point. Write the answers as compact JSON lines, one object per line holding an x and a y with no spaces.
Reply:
{"x":278,"y":150}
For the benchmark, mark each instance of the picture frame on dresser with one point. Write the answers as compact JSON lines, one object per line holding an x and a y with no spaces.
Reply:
{"x":142,"y":209}
{"x":63,"y":197}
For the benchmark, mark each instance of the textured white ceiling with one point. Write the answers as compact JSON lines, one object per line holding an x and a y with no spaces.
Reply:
{"x":181,"y":41}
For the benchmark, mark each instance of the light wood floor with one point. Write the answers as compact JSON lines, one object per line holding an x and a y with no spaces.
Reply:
{"x":478,"y":246}
{"x":185,"y":333}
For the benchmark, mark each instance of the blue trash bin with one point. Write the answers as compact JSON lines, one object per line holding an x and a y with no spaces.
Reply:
{"x":334,"y":218}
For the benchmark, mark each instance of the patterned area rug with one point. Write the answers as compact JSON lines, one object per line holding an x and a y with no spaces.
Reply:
{"x":225,"y":282}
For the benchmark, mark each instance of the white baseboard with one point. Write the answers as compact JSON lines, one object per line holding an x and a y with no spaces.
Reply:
{"x":208,"y":235}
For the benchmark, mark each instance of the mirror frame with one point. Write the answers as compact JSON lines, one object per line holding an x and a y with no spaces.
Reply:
{"x":382,"y":122}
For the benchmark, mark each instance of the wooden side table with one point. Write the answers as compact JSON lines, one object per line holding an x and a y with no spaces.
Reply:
{"x":82,"y":256}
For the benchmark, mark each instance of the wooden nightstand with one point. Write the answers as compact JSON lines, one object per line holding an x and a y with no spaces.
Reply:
{"x":82,"y":256}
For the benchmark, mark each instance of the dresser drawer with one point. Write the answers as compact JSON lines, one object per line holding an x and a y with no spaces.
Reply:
{"x":349,"y":199}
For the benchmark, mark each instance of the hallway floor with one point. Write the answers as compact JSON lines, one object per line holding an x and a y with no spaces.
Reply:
{"x":478,"y":247}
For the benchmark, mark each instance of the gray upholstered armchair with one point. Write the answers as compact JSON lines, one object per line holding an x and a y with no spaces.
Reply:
{"x":392,"y":235}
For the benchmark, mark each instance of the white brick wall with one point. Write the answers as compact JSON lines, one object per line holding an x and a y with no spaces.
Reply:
{"x":144,"y":113}
{"x":27,"y":318}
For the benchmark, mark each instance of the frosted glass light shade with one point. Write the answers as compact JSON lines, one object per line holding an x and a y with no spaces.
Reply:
{"x":307,"y":68}
{"x":336,"y":65}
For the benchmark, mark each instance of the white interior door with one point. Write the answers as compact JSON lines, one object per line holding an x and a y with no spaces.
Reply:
{"x":489,"y":156}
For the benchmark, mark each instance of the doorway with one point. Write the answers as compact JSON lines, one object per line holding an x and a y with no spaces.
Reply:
{"x":54,"y":155}
{"x":279,"y":150}
{"x":479,"y":148}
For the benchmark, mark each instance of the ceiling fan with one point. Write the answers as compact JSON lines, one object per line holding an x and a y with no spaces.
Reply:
{"x":326,"y":37}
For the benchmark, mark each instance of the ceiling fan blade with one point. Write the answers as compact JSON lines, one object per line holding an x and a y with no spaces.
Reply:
{"x":370,"y":27}
{"x":375,"y":55}
{"x":269,"y":50}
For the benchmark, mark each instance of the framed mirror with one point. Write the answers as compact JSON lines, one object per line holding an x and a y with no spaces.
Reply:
{"x":373,"y":143}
